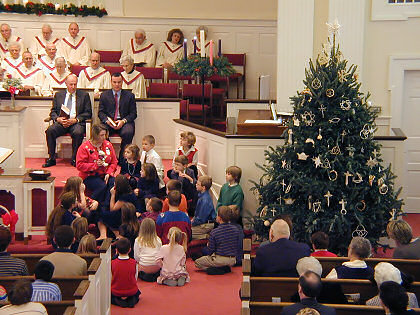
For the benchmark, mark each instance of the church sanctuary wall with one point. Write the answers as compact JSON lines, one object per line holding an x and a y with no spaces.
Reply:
{"x":386,"y":36}
{"x":255,"y":37}
{"x":153,"y":117}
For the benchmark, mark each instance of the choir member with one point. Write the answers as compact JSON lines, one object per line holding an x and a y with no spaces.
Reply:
{"x":171,"y":52}
{"x":132,"y":79}
{"x":13,"y":59}
{"x":141,"y":50}
{"x":32,"y":77}
{"x":95,"y":76}
{"x":206,"y":41}
{"x":39,"y":43}
{"x":57,"y":78}
{"x":47,"y":62}
{"x":7,"y":38}
{"x":75,"y":48}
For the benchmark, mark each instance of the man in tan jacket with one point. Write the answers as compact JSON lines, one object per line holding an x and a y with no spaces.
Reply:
{"x":65,"y":262}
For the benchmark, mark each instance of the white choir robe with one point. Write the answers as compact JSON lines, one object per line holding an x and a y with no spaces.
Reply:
{"x":169,"y":53}
{"x":145,"y":52}
{"x":136,"y":82}
{"x":10,"y":64}
{"x":32,"y":76}
{"x":46,"y":64}
{"x":4,"y":46}
{"x":94,"y":79}
{"x":75,"y":49}
{"x":54,"y":81}
{"x":39,"y":43}
{"x":206,"y":46}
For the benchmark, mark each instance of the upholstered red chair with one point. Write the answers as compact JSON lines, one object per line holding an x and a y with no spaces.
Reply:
{"x":176,"y":77}
{"x":76,"y":69}
{"x":193,"y":94}
{"x":113,"y":69}
{"x":238,"y":61}
{"x":109,"y":56}
{"x":169,"y":90}
{"x":151,"y":73}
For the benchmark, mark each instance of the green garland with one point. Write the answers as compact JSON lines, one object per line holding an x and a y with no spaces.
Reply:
{"x":49,"y":8}
{"x":197,"y":66}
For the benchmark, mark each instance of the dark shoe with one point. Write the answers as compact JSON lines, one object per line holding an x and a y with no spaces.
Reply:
{"x":49,"y":162}
{"x":216,"y":271}
{"x":73,"y":163}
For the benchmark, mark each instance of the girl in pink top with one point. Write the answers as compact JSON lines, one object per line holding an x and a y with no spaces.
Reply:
{"x":172,"y":259}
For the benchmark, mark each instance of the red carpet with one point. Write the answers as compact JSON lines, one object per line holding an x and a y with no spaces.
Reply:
{"x":204,"y":294}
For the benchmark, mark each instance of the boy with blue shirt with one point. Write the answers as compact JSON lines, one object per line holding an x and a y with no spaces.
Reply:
{"x":202,"y":223}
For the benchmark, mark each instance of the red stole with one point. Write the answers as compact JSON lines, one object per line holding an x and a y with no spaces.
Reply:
{"x":172,"y":50}
{"x":140,"y":50}
{"x":71,"y":45}
{"x":25,"y":76}
{"x":58,"y":81}
{"x":42,"y":44}
{"x":95,"y":76}
{"x":132,"y":80}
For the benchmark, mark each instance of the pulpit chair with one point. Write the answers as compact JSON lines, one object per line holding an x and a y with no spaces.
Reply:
{"x":238,"y":61}
{"x":110,"y":57}
{"x":192,"y":93}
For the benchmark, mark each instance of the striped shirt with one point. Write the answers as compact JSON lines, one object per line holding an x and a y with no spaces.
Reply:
{"x":43,"y":291}
{"x":11,"y":266}
{"x":224,"y":240}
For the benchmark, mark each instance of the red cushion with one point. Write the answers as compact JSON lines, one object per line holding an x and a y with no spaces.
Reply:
{"x":151,"y":73}
{"x":236,"y":76}
{"x":183,"y":107}
{"x":114,"y":69}
{"x":219,"y":91}
{"x":109,"y":55}
{"x":163,"y":90}
{"x":76,"y":69}
{"x":198,"y":107}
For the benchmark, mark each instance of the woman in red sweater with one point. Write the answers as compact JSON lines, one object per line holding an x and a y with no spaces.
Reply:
{"x":96,"y":163}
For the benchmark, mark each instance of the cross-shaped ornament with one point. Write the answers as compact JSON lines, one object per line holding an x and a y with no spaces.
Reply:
{"x":273,"y":211}
{"x":328,"y":195}
{"x":347,"y":174}
{"x":322,"y":108}
{"x":283,"y":184}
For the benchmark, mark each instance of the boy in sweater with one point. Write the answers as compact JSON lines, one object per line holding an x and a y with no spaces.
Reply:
{"x":203,"y":221}
{"x":124,"y":290}
{"x":231,"y":192}
{"x":223,"y":246}
{"x":173,"y":217}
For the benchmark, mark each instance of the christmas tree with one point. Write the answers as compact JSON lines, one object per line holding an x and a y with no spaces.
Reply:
{"x":328,"y":175}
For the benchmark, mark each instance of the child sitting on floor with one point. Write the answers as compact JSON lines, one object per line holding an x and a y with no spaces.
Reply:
{"x":175,"y":185}
{"x":63,"y":214}
{"x":130,"y":225}
{"x":187,"y":148}
{"x":203,"y":221}
{"x":153,"y":209}
{"x":172,"y":258}
{"x":131,"y":165}
{"x":187,"y":178}
{"x":173,"y":217}
{"x":231,"y":192}
{"x":149,"y":155}
{"x":146,"y":248}
{"x":148,"y":184}
{"x":124,"y":290}
{"x":223,"y":246}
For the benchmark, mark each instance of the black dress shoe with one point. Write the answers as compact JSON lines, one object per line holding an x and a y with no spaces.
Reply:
{"x":73,"y":162}
{"x":49,"y":162}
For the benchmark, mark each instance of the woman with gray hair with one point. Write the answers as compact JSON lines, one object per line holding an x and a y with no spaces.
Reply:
{"x":132,"y":79}
{"x":387,"y":272}
{"x":359,"y":249}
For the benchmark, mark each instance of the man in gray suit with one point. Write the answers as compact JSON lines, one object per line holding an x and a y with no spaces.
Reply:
{"x":69,"y":112}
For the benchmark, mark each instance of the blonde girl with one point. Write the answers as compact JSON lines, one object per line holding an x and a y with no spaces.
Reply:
{"x":172,"y":259}
{"x":146,"y":248}
{"x":87,"y":245}
{"x":80,"y":229}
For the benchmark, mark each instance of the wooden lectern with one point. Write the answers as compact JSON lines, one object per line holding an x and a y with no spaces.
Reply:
{"x":261,"y":123}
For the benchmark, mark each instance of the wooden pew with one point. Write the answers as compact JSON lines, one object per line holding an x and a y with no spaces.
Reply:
{"x":32,"y":259}
{"x":54,"y":308}
{"x":263,"y":308}
{"x":68,"y":285}
{"x":408,"y":266}
{"x":71,"y":310}
{"x":264,"y":289}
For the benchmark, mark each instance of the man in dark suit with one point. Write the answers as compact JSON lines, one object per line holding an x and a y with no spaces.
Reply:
{"x":309,"y":288}
{"x":118,"y":106}
{"x":279,"y":258}
{"x":77,"y":106}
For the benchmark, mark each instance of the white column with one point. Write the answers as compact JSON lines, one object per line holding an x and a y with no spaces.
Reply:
{"x":351,"y":17}
{"x":295,"y":27}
